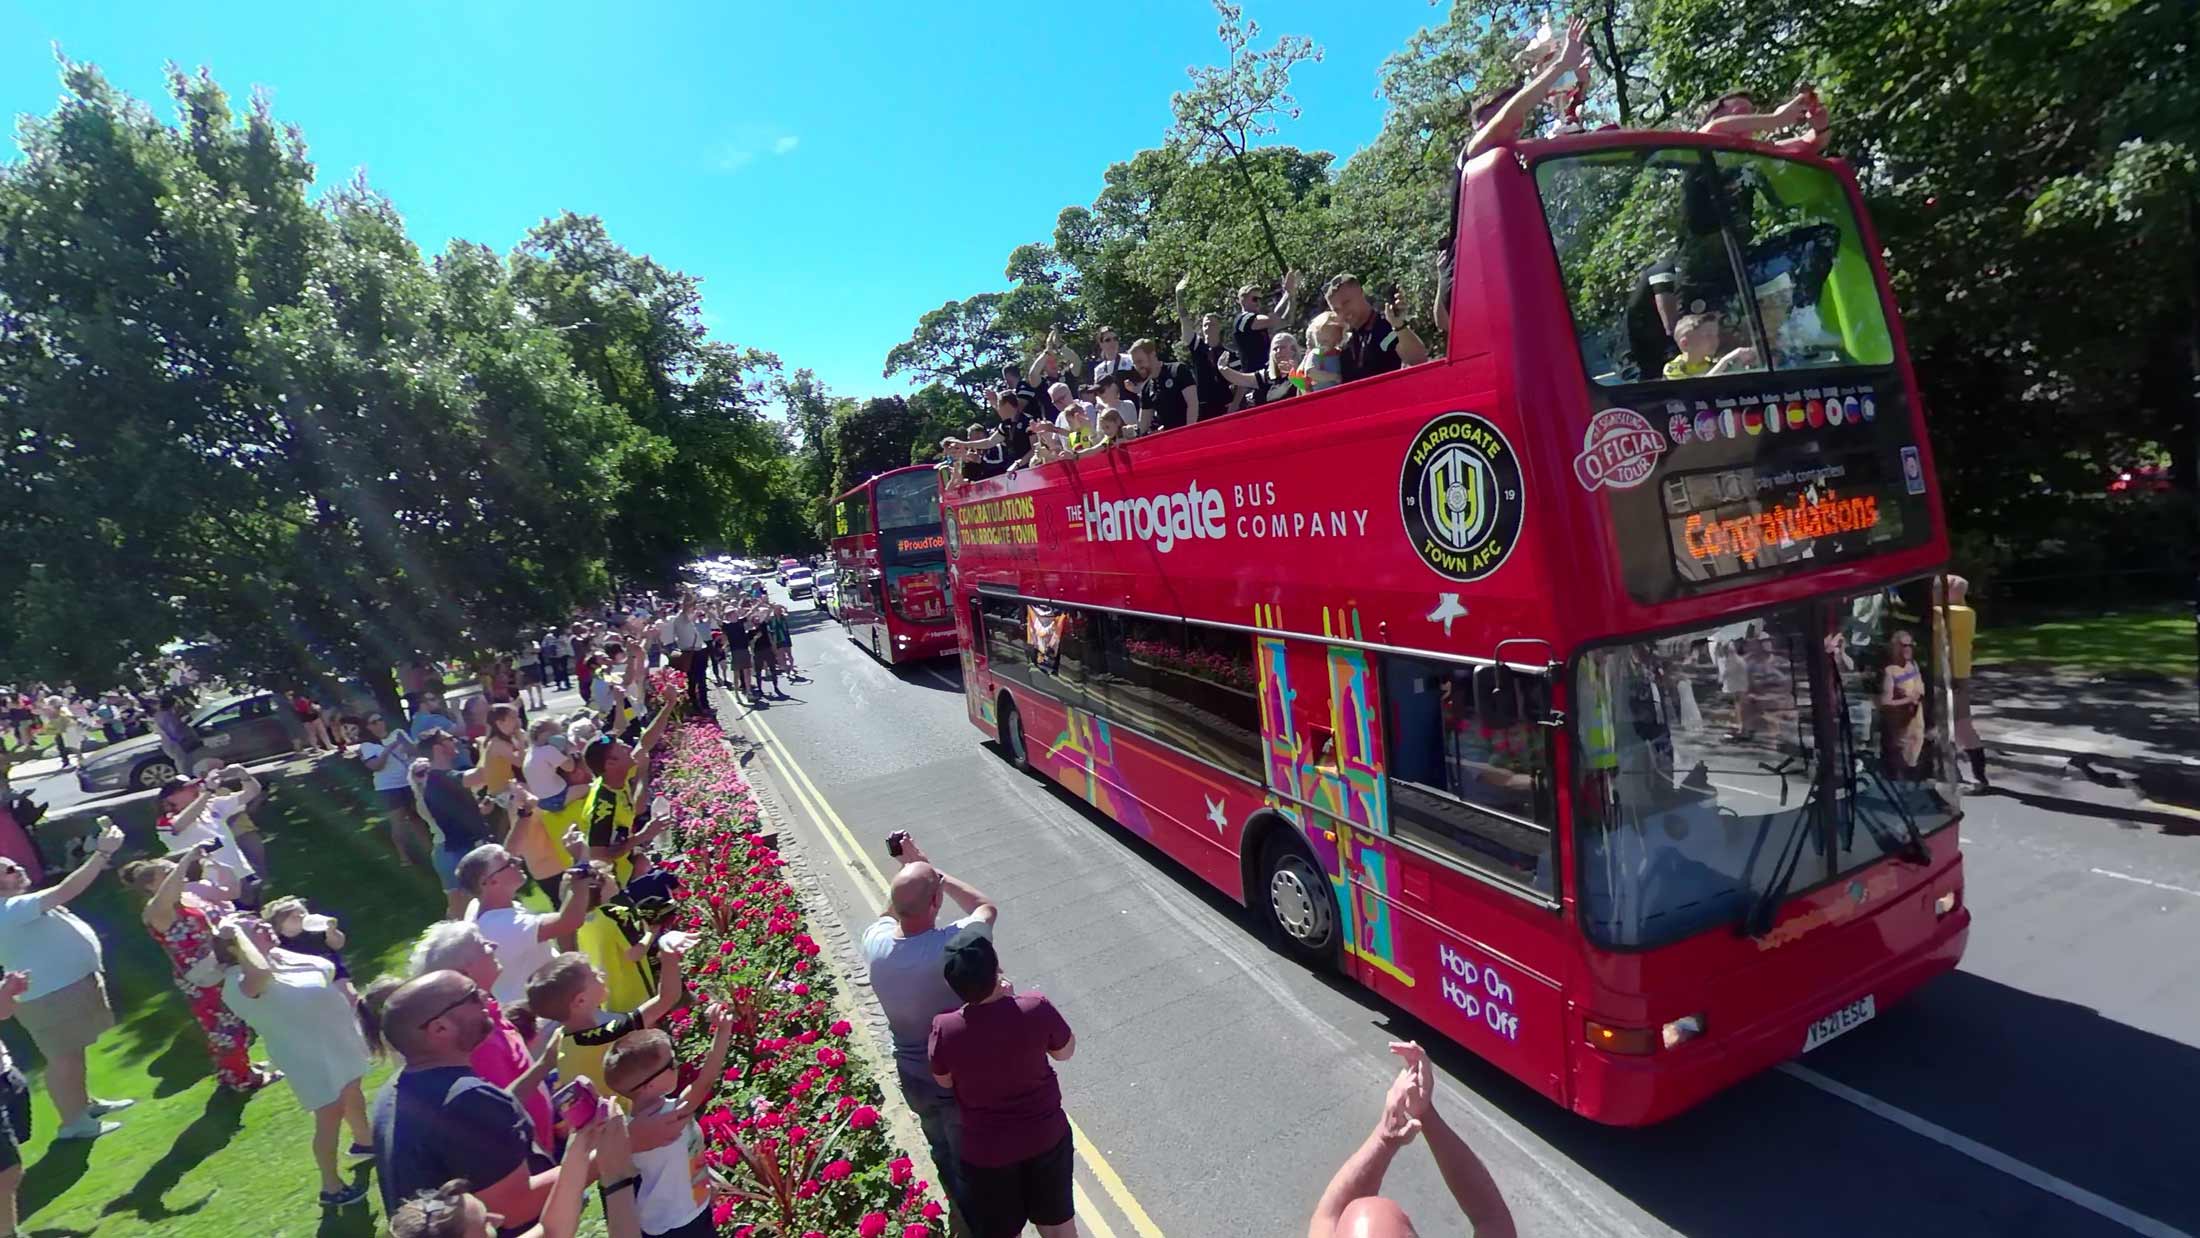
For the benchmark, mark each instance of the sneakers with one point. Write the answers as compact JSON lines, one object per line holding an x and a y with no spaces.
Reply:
{"x":344,"y":1198}
{"x":86,"y":1127}
{"x":101,"y":1108}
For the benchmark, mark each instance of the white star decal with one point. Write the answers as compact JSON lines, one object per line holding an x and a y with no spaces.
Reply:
{"x":1214,"y":814}
{"x":1447,"y":609}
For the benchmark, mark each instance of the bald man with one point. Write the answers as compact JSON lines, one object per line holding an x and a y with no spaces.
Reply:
{"x":437,"y":1120}
{"x":906,"y":949}
{"x":1350,"y":1207}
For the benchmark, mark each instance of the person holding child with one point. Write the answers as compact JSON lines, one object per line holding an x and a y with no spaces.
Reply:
{"x":311,"y":1033}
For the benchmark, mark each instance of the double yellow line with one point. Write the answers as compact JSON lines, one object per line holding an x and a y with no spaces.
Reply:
{"x":869,"y":880}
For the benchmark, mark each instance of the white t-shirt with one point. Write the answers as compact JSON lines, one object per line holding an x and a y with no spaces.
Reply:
{"x":53,"y":945}
{"x":517,"y":933}
{"x":540,"y":771}
{"x":392,"y":775}
{"x":213,"y":826}
{"x":675,"y":1179}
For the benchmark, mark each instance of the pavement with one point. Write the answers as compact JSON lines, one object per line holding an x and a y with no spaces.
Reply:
{"x":2131,"y":729}
{"x":2039,"y":1090}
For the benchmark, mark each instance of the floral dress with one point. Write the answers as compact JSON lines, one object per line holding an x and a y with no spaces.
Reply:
{"x":189,"y":944}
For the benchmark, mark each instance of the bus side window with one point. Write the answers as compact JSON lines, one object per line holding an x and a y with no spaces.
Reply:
{"x":1474,"y":788}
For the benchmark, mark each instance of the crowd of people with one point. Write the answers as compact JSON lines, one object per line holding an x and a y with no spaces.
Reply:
{"x":498,"y":1005}
{"x":1060,"y":406}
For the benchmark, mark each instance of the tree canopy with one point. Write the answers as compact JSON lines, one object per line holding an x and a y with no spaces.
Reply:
{"x":241,"y":410}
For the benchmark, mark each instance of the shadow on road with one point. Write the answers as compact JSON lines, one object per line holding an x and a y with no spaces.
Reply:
{"x":2089,"y":1100}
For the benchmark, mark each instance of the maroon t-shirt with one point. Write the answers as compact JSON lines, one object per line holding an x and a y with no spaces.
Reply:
{"x":996,"y":1052}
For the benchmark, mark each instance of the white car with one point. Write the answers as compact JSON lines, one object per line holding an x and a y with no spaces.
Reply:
{"x":800,"y":584}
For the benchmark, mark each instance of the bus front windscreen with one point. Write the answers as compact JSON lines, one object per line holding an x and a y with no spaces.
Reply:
{"x":907,"y":499}
{"x":1725,"y":769}
{"x":1685,"y":262}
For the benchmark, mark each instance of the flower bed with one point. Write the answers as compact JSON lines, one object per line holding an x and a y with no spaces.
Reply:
{"x":795,"y":1125}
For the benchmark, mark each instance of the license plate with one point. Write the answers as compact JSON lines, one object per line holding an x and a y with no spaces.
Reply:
{"x":1847,"y":1019}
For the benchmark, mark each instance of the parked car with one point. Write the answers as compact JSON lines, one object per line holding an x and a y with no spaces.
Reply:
{"x":800,"y":584}
{"x":232,"y":729}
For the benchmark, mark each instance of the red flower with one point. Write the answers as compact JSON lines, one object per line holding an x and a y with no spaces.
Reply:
{"x":840,"y":1027}
{"x":832,"y":1057}
{"x":917,"y":1231}
{"x":872,"y":1225}
{"x":900,"y":1168}
{"x":837,"y":1170}
{"x":863,"y":1118}
{"x":931,"y":1210}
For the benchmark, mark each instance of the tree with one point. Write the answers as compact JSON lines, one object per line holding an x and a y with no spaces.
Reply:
{"x":870,"y":438}
{"x":634,"y":329}
{"x":962,"y":344}
{"x":294,"y":436}
{"x":1230,"y":105}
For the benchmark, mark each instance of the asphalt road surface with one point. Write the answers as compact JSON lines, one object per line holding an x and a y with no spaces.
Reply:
{"x":2046,"y":1088}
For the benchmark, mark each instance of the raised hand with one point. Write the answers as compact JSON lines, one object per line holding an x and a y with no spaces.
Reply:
{"x":1575,"y":50}
{"x":1400,"y":1123}
{"x":1422,"y":1096}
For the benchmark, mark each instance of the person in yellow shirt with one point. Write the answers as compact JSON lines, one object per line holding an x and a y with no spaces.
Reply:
{"x":1698,"y":337}
{"x":1960,"y":622}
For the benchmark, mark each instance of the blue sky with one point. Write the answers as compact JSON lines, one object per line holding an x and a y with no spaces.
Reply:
{"x":830,"y":170}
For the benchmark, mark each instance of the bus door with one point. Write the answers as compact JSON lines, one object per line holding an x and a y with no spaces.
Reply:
{"x":1320,"y":757}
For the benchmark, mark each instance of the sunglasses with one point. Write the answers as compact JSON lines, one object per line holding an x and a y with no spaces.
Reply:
{"x":473,"y":994}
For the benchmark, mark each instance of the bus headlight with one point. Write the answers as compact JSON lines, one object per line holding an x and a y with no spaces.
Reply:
{"x":1947,"y":903}
{"x":1682,"y":1030}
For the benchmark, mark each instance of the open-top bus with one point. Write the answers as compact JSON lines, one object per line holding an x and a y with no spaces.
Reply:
{"x":891,"y":591}
{"x":1591,"y":714}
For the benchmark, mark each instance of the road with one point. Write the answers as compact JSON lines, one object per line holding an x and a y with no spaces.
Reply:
{"x":2043,"y":1089}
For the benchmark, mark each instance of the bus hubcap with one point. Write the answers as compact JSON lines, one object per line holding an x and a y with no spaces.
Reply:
{"x":1302,"y":912}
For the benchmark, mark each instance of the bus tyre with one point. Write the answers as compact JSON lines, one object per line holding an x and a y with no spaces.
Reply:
{"x":1297,"y":903}
{"x":1012,"y":735}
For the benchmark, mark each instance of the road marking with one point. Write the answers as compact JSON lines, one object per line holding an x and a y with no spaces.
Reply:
{"x":2159,"y":885}
{"x":828,"y":821}
{"x":2040,"y":1179}
{"x":940,"y":677}
{"x":1088,"y":1217}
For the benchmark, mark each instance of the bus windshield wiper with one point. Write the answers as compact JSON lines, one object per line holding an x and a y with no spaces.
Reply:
{"x":1757,"y":920}
{"x":1912,"y":847}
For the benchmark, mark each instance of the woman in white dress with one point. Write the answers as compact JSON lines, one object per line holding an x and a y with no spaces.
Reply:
{"x":309,"y":1031}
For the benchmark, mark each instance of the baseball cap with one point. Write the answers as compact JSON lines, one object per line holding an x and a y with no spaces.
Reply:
{"x":970,"y":961}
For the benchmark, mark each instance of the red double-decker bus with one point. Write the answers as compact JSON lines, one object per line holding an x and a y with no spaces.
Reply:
{"x":891,"y":560}
{"x":1577,"y":691}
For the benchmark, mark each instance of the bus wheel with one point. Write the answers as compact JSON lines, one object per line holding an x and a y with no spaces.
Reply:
{"x":1300,"y":907}
{"x":1012,"y":734}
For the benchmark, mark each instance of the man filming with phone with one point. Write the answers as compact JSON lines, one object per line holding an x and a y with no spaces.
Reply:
{"x":906,"y":951}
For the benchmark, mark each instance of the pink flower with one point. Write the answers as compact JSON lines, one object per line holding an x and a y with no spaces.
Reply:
{"x":863,"y":1118}
{"x":840,"y":1027}
{"x":917,"y":1231}
{"x":801,"y":988}
{"x":900,"y":1168}
{"x":931,"y":1210}
{"x":872,"y":1225}
{"x":837,"y":1170}
{"x":832,"y":1057}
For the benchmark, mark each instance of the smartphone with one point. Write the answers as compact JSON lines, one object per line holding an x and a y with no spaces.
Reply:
{"x":894,"y":842}
{"x":577,"y":1103}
